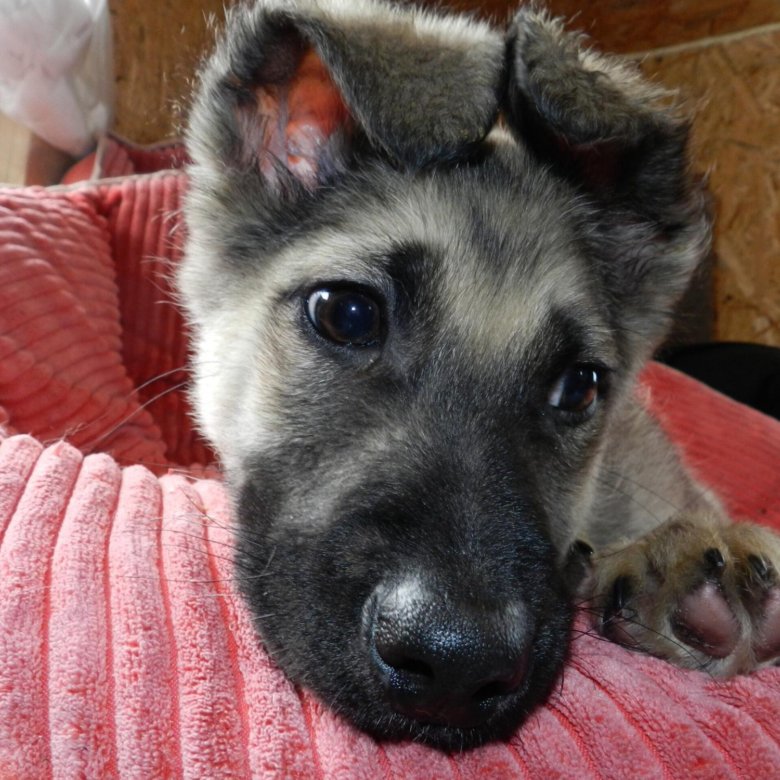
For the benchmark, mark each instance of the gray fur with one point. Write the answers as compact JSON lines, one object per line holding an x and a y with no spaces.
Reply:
{"x":430,"y":468}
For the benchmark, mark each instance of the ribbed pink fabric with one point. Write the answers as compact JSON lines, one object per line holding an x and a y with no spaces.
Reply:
{"x":61,"y":368}
{"x":91,"y":346}
{"x":116,"y":157}
{"x":125,"y":650}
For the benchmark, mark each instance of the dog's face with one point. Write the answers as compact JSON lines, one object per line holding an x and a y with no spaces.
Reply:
{"x":411,"y":328}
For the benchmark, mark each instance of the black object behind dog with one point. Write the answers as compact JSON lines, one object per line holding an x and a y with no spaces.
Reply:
{"x":748,"y":373}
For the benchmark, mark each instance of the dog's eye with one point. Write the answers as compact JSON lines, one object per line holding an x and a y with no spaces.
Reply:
{"x":577,"y":388}
{"x":345,"y":316}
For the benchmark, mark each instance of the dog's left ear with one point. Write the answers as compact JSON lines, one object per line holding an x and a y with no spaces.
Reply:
{"x":623,"y":143}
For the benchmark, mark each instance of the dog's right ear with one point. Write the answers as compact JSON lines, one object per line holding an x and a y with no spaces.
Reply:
{"x":296,"y":86}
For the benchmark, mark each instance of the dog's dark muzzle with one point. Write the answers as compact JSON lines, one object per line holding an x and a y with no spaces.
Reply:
{"x":443,"y":660}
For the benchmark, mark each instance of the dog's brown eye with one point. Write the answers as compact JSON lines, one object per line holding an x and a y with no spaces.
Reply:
{"x":577,"y":389}
{"x":345,"y":316}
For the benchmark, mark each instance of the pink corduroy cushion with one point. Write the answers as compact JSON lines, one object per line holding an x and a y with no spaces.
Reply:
{"x":61,"y":372}
{"x":125,"y":650}
{"x":91,"y":346}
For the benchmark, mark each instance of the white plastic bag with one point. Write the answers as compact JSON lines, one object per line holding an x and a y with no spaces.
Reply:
{"x":56,"y":73}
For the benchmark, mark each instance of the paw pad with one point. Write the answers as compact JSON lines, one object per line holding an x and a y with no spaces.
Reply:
{"x":696,"y":591}
{"x":768,"y":644}
{"x":704,"y":620}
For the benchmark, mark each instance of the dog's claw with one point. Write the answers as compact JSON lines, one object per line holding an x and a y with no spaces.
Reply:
{"x":621,"y":592}
{"x":714,"y":562}
{"x":583,"y":549}
{"x":616,"y":618}
{"x":761,"y":569}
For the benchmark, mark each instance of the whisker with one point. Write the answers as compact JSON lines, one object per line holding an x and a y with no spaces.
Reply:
{"x":132,"y":415}
{"x":632,"y":497}
{"x":157,"y":378}
{"x":625,"y":478}
{"x":85,"y":425}
{"x":189,"y":581}
{"x":631,"y":618}
{"x":201,"y":517}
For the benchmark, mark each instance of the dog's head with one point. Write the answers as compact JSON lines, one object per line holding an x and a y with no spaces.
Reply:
{"x":426,"y":258}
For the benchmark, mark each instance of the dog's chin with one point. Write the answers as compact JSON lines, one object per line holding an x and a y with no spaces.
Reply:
{"x":367,"y":704}
{"x":451,"y":739}
{"x":396,"y":727}
{"x":386,"y":724}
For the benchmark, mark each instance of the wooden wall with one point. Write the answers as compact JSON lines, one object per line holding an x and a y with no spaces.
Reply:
{"x":157,"y":47}
{"x":735,"y":86}
{"x":723,"y":54}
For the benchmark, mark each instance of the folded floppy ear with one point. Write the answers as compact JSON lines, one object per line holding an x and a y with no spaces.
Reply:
{"x":623,"y":144}
{"x":594,"y":117}
{"x":297,"y":85}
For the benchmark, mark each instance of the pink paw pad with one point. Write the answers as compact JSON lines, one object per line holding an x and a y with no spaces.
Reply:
{"x":704,"y":620}
{"x":768,"y":643}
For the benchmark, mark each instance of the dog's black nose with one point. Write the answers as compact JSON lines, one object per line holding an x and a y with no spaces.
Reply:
{"x":446,"y":661}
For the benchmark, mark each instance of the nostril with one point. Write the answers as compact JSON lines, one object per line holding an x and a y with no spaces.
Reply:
{"x":503,"y":686}
{"x":414,"y":667}
{"x":491,"y":689}
{"x":397,"y":657}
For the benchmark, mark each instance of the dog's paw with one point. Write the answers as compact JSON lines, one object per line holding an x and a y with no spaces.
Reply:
{"x":697,"y":591}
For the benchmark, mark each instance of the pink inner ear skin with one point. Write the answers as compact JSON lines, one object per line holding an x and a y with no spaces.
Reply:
{"x":298,"y":119}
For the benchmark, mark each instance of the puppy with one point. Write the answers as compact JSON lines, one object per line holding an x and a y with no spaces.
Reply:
{"x":427,"y":259}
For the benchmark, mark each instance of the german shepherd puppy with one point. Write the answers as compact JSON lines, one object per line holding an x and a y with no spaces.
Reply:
{"x":427,"y":259}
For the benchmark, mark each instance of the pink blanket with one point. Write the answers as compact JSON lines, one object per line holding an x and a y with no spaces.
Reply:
{"x":124,"y":648}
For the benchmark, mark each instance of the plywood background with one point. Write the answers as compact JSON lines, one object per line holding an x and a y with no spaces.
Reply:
{"x":723,"y":54}
{"x":735,"y":86}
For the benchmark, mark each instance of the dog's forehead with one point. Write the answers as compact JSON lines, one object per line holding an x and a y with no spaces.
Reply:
{"x":493,"y":251}
{"x":507,"y":270}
